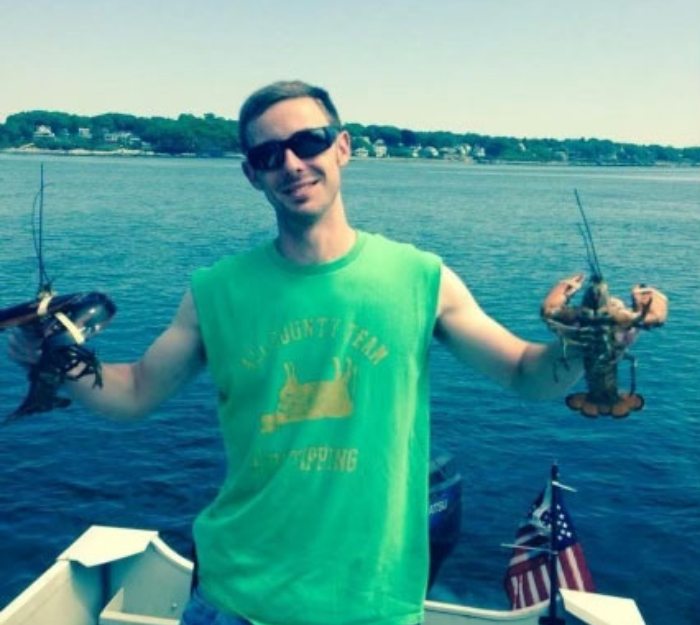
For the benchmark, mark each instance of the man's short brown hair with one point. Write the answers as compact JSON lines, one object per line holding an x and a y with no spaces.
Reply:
{"x":262,"y":99}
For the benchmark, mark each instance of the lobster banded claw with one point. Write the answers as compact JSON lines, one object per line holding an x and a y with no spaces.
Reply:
{"x":652,"y":304}
{"x":555,"y":306}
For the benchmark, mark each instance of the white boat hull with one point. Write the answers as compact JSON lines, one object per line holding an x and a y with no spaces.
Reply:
{"x":118,"y":576}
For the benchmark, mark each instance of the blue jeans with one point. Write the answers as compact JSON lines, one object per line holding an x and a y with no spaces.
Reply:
{"x":199,"y":611}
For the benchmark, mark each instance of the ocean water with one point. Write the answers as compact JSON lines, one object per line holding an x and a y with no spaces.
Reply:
{"x":137,"y":228}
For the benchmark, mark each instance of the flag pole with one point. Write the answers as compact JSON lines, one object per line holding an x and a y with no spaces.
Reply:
{"x":552,"y":618}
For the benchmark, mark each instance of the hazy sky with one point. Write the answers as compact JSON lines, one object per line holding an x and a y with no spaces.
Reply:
{"x":626,"y":70}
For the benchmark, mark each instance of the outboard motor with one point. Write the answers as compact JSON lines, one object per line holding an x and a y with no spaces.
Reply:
{"x":444,"y":510}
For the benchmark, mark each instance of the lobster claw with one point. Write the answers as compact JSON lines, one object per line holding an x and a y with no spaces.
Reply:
{"x":554,"y":306}
{"x":652,"y":304}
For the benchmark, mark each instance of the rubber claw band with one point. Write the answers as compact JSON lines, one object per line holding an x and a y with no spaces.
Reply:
{"x":73,"y":329}
{"x":43,"y":306}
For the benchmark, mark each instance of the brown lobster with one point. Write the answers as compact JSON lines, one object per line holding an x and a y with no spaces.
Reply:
{"x":602,"y":327}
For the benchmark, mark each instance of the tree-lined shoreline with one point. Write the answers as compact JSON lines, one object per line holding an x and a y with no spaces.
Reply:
{"x":213,"y":136}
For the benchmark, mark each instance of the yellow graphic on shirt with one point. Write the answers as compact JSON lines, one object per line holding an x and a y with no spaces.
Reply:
{"x":318,"y":399}
{"x":364,"y":343}
{"x":314,"y":458}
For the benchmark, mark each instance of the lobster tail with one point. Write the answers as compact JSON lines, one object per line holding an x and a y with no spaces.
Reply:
{"x":618,"y":408}
{"x":41,"y":397}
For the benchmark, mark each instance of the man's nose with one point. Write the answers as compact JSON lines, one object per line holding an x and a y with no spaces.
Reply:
{"x":292,"y":161}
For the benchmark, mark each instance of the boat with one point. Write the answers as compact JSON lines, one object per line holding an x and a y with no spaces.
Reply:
{"x":125,"y":576}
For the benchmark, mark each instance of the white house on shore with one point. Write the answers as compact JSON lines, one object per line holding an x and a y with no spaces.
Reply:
{"x":380,"y":149}
{"x":43,"y":132}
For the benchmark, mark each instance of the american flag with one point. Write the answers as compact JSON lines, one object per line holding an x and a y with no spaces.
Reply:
{"x":527,"y":577}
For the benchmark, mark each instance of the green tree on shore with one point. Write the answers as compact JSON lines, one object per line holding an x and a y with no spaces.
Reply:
{"x":214,"y":136}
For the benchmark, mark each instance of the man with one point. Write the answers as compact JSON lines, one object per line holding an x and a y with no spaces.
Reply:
{"x":317,"y":344}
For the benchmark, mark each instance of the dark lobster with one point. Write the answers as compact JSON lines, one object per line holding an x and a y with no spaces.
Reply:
{"x":60,"y":325}
{"x":602,"y":327}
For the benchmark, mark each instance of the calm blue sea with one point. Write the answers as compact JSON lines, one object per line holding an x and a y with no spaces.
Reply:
{"x":137,"y":228}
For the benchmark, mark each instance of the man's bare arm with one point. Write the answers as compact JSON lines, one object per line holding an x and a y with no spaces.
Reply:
{"x":481,"y":342}
{"x":132,"y":390}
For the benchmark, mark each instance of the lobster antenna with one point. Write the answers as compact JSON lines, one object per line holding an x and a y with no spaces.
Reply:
{"x":589,"y":254}
{"x":588,"y":238}
{"x":38,"y":236}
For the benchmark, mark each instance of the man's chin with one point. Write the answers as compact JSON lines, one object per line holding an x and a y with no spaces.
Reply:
{"x":301,"y":214}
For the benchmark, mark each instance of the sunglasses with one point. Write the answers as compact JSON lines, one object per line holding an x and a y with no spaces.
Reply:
{"x":305,"y":144}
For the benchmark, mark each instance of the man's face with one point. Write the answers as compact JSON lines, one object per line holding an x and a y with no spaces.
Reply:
{"x":301,"y":189}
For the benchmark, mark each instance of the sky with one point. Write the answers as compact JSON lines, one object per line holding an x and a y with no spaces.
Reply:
{"x":625,"y":70}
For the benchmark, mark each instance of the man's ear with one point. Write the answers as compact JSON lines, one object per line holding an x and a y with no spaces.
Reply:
{"x":344,"y":148}
{"x":251,"y":174}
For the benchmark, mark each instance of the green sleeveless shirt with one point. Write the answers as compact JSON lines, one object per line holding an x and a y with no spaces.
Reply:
{"x":323,"y":403}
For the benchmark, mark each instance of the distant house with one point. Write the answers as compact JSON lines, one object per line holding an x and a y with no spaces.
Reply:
{"x":447,"y":152}
{"x":458,"y":152}
{"x":380,"y":149}
{"x":118,"y":137}
{"x":360,"y":152}
{"x":85,"y":133}
{"x":429,"y":151}
{"x":123,"y":137}
{"x":43,"y":132}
